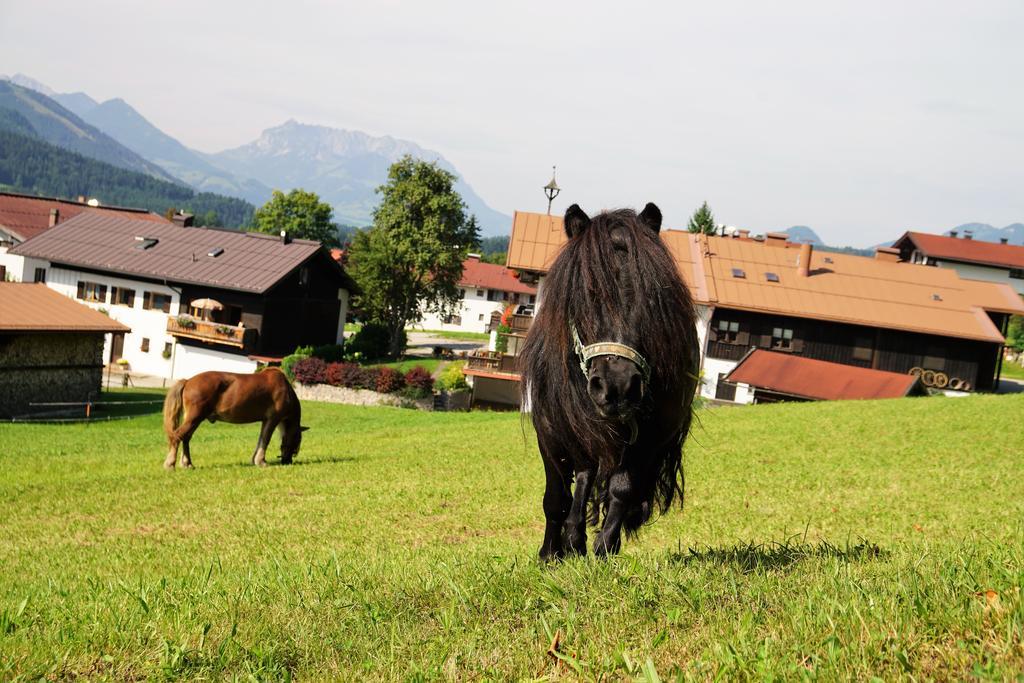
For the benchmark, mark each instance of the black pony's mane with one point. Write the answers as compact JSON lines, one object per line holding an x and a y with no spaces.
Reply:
{"x":656,"y":317}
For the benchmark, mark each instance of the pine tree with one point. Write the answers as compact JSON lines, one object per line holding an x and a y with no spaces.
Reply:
{"x":702,"y":221}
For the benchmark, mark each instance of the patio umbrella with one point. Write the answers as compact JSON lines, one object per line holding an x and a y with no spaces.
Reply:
{"x":207,"y":305}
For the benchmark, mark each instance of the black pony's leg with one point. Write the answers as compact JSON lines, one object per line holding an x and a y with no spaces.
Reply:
{"x":576,"y":522}
{"x":620,"y":491}
{"x":556,"y":507}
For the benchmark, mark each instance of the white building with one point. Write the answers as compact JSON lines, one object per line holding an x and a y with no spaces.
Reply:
{"x":485,"y":288}
{"x":264,"y":295}
{"x":970,"y":258}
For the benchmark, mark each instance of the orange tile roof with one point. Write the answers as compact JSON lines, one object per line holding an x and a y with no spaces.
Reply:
{"x":31,"y":307}
{"x":965,"y":250}
{"x":26,"y":216}
{"x":841,"y":287}
{"x":476,"y":273}
{"x":818,"y":379}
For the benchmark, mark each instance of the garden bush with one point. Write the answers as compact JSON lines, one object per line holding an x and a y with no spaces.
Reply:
{"x":344,"y":374}
{"x":288,"y":362}
{"x":451,"y":378}
{"x":389,"y":380}
{"x":330,"y":353}
{"x":418,"y":383}
{"x":371,"y":342}
{"x":310,"y":370}
{"x":367,"y":379}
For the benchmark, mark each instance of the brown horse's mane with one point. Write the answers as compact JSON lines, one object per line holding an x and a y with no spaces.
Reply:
{"x":655,"y":316}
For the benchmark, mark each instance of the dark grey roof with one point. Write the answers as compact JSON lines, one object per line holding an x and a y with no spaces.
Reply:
{"x":251,"y":262}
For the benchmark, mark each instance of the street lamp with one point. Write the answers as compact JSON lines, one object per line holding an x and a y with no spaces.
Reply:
{"x":551,"y":190}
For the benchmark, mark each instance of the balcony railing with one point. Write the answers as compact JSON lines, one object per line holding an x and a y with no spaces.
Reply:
{"x":204,"y":330}
{"x":492,"y":361}
{"x":520,"y":324}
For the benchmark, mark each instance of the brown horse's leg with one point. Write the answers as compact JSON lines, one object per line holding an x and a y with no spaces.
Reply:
{"x":576,"y":522}
{"x":188,"y":428}
{"x":556,"y":507}
{"x":172,"y":451}
{"x":259,"y":458}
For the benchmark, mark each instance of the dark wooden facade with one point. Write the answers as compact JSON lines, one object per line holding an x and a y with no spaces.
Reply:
{"x":867,"y":347}
{"x":300,"y":310}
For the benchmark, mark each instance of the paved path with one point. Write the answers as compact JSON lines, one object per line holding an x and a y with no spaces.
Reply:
{"x":422,"y":344}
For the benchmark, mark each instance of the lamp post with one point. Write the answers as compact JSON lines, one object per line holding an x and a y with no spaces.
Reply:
{"x":551,"y":190}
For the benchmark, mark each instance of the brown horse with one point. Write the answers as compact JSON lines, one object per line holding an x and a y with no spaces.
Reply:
{"x":265,"y":397}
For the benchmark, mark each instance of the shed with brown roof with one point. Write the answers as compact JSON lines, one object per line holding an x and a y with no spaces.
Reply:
{"x":51,"y":349}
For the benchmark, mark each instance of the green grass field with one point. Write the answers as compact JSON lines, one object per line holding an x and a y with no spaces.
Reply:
{"x":1012,"y":371}
{"x":457,"y":335}
{"x":831,"y":541}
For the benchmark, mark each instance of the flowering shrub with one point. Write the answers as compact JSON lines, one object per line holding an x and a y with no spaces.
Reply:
{"x":310,"y":371}
{"x":389,"y":380}
{"x":451,"y":378}
{"x":418,"y":382}
{"x":343,"y":374}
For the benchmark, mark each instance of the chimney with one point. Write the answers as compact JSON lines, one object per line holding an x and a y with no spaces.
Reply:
{"x":1004,"y":240}
{"x":953,"y":233}
{"x":968,"y":234}
{"x":776,"y":239}
{"x":285,"y":239}
{"x":803,"y":263}
{"x":887,"y":254}
{"x":183,"y":220}
{"x":744,"y":233}
{"x":472,"y":257}
{"x":81,"y":199}
{"x":54,"y":217}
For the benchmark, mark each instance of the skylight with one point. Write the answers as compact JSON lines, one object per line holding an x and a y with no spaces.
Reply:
{"x":828,"y":259}
{"x":214,"y":253}
{"x":936,"y":297}
{"x":145,"y":242}
{"x":771,"y":277}
{"x":738,"y":272}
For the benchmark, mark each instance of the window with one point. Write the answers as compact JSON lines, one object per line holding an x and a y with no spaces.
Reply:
{"x":40,"y":275}
{"x":725,"y":391}
{"x":156,"y":301}
{"x":144,"y":346}
{"x":122,"y":296}
{"x":934,"y":359}
{"x":1017,"y":273}
{"x":92,"y":291}
{"x":480,"y":317}
{"x":3,"y":273}
{"x":452,"y":320}
{"x":728,"y":331}
{"x":479,"y":292}
{"x":533,"y":298}
{"x":863,"y":348}
{"x":462,"y":294}
{"x":782,"y":338}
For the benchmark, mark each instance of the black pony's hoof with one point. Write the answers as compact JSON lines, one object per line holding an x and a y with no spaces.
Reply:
{"x":286,"y":461}
{"x":551,"y":555}
{"x":604,"y":548}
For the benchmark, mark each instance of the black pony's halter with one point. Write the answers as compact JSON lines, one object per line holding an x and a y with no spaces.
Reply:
{"x":591,"y":351}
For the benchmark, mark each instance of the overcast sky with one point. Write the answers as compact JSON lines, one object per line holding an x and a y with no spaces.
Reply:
{"x":860,"y":121}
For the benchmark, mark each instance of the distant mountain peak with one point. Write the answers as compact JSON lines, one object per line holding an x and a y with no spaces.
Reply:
{"x":30,"y":83}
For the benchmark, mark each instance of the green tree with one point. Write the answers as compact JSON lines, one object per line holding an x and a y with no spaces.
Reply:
{"x":299,"y":212}
{"x":702,"y":220}
{"x":413,"y":254}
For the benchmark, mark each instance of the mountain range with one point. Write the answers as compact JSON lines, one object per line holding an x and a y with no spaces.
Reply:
{"x":344,"y":167}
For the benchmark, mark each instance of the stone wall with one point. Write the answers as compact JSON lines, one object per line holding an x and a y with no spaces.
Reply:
{"x":357,"y":397}
{"x":40,"y":368}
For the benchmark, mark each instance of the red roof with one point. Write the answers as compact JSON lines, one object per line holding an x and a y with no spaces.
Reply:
{"x":34,"y":307}
{"x":25,"y":216}
{"x":817,"y":379}
{"x":476,"y":273}
{"x":965,"y":250}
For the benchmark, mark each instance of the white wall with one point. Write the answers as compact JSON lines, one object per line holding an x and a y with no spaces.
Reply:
{"x":970,"y":271}
{"x":475,"y":310}
{"x":191,"y":360}
{"x":496,"y":390}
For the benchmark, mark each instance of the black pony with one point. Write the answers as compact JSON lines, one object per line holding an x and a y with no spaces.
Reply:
{"x":609,"y":372}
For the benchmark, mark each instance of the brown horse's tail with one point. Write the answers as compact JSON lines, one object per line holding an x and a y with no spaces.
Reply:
{"x":172,"y":407}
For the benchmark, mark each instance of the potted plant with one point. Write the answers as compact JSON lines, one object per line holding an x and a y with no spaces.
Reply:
{"x":185,"y":322}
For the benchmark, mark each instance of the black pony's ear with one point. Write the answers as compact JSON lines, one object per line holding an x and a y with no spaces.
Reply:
{"x":575,"y":221}
{"x":303,"y":429}
{"x":651,"y":216}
